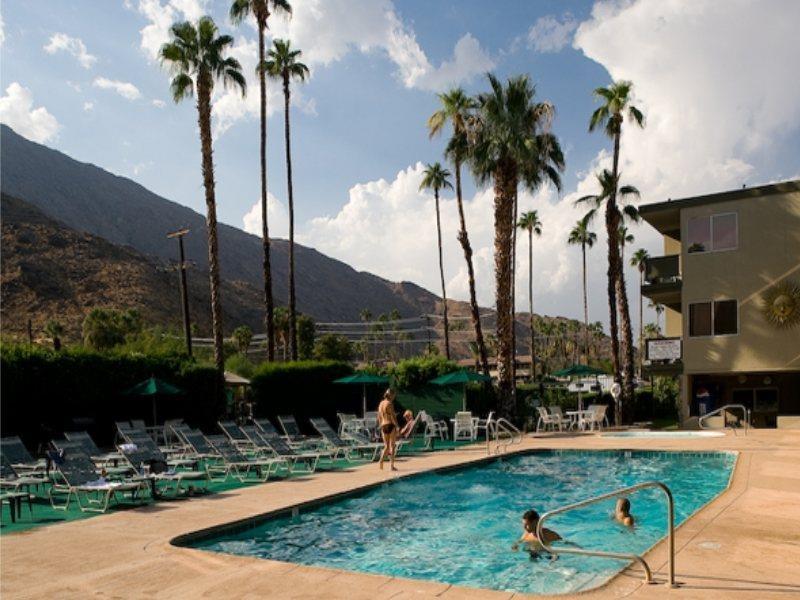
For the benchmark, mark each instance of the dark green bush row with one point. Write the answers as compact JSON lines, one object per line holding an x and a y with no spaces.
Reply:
{"x":45,"y":393}
{"x":306,"y":389}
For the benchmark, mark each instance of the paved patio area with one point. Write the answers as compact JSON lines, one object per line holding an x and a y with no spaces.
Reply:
{"x":745,"y":544}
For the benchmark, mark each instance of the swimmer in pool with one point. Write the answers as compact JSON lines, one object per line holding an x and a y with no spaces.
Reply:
{"x":622,"y":512}
{"x":387,"y":422}
{"x":534,"y":546}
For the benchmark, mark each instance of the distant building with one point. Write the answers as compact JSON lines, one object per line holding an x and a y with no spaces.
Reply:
{"x":730,"y":282}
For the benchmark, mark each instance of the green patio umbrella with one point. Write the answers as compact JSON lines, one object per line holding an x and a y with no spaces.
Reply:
{"x":364,"y":379}
{"x":575,"y":370}
{"x":153,"y":387}
{"x":461,"y":377}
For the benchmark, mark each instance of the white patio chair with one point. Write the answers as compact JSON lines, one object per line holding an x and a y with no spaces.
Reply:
{"x":464,"y":427}
{"x":594,"y":417}
{"x":559,"y":418}
{"x":545,"y":420}
{"x":484,"y":424}
{"x":433,"y":429}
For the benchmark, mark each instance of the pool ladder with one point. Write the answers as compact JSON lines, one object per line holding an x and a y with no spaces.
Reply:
{"x":745,"y":413}
{"x":503,"y":433}
{"x":648,"y":576}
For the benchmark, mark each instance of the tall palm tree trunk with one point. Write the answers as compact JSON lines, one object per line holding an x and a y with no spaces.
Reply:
{"x":585,"y":306}
{"x":622,"y":296}
{"x":505,"y":185}
{"x":269,"y":318}
{"x":463,"y":238}
{"x":641,"y":319}
{"x":514,"y":301}
{"x":292,"y":301}
{"x":530,"y":303}
{"x":441,"y":275}
{"x":204,"y":123}
{"x":612,"y":220}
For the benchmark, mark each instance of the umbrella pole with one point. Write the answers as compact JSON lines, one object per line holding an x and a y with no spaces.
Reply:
{"x":154,"y":412}
{"x":464,"y":400}
{"x":364,"y":400}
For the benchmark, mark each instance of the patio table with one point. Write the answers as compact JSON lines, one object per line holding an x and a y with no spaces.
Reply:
{"x":575,"y":417}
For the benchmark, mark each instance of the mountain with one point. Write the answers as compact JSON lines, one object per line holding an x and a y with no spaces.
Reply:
{"x":91,"y":200}
{"x":50,"y":270}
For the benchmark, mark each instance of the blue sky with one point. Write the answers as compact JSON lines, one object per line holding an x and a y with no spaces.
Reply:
{"x":80,"y":76}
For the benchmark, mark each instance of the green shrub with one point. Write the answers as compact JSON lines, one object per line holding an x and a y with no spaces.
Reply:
{"x":45,"y":393}
{"x":333,"y":347}
{"x":304,"y":389}
{"x":417,"y":371}
{"x":241,"y":365}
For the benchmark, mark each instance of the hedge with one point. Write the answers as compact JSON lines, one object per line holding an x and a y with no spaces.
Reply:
{"x":305,"y":389}
{"x":45,"y":393}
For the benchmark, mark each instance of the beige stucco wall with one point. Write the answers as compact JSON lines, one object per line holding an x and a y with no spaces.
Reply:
{"x":673,"y":323}
{"x":768,"y":251}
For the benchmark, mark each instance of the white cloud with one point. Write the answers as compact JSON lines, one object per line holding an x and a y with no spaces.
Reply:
{"x":327,"y":30}
{"x":76,"y":87}
{"x":2,"y":30}
{"x":88,"y":106}
{"x":548,"y":34}
{"x":142,"y":166}
{"x":17,"y":111}
{"x":161,"y":17}
{"x":277,"y":217}
{"x":123,"y":88}
{"x":61,"y":42}
{"x":158,"y":103}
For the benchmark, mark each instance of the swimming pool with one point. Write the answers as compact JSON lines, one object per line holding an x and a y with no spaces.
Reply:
{"x":662,"y":434}
{"x":457,"y":526}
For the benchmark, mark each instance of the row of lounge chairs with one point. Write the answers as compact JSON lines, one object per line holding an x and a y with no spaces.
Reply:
{"x":140,"y":469}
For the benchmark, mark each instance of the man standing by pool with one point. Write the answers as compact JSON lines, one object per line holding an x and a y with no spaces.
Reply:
{"x":387,"y":421}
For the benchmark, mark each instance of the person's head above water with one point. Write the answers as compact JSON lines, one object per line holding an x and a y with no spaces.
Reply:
{"x":623,"y":506}
{"x":529,"y":520}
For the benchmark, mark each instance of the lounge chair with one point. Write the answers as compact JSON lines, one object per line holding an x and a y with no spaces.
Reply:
{"x":199,"y":447}
{"x":235,"y":435}
{"x":19,"y":458}
{"x":291,"y":429}
{"x":92,"y":493}
{"x":11,"y":482}
{"x":149,"y":464}
{"x":237,"y":464}
{"x":558,"y":417}
{"x":266,"y":426}
{"x":276,"y":446}
{"x":89,"y":447}
{"x":172,"y":456}
{"x":104,"y":469}
{"x":341,"y":446}
{"x":14,"y":500}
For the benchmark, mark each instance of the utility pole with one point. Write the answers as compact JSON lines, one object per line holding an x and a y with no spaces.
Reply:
{"x":184,"y":292}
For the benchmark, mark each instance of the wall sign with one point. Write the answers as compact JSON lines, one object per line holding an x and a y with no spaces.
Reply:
{"x":664,"y":349}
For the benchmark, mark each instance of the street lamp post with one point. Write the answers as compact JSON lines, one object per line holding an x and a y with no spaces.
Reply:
{"x":184,"y":292}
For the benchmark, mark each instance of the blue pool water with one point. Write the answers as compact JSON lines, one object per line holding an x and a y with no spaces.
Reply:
{"x":458,"y":526}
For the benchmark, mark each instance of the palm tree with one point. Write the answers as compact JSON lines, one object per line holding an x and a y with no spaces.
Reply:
{"x":624,"y":237}
{"x":435,"y":178}
{"x":652,"y":330}
{"x":608,"y":190}
{"x":615,"y":103}
{"x":659,"y":308}
{"x":639,"y":260}
{"x":511,"y":144}
{"x":196,"y":57}
{"x":282,"y":329}
{"x":260,"y":10}
{"x":581,"y":235}
{"x":456,"y":107}
{"x":530,"y":222}
{"x":55,"y":331}
{"x":282,"y":63}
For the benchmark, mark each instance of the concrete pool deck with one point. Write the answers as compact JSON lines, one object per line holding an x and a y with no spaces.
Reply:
{"x":744,"y":544}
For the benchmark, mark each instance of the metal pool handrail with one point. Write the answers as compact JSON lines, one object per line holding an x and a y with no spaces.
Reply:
{"x":495,"y":428}
{"x":648,"y":576}
{"x":745,"y":412}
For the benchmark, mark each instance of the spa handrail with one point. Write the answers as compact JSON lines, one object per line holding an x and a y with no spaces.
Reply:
{"x":648,"y":576}
{"x":497,"y":427}
{"x":745,"y":412}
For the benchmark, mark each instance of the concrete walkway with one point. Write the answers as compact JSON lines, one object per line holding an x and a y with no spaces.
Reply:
{"x":745,"y":544}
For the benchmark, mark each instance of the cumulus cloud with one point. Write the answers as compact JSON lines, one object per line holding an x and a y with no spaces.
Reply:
{"x":549,"y":34}
{"x":158,"y":103}
{"x":161,"y":17}
{"x":277,"y":217}
{"x":88,"y":106}
{"x":2,"y":30}
{"x":17,"y":111}
{"x":61,"y":42}
{"x":712,"y":109}
{"x":123,"y":88}
{"x":327,"y":30}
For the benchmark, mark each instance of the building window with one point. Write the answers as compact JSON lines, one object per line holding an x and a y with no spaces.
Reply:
{"x":719,"y":317}
{"x":713,"y":233}
{"x":699,"y":319}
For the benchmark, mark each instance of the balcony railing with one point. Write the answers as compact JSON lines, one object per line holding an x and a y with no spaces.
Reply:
{"x":662,"y":269}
